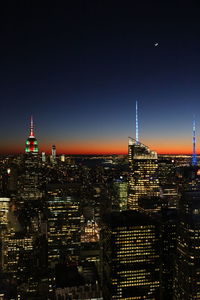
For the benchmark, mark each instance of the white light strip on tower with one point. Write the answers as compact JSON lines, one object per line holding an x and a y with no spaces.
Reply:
{"x":136,"y":122}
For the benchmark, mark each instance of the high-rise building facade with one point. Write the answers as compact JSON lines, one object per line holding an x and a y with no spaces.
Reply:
{"x":130,"y":258}
{"x":43,"y":157}
{"x":4,"y":220}
{"x":187,"y":278}
{"x":143,"y":174}
{"x":53,"y":154}
{"x":120,"y":190}
{"x":168,"y":241}
{"x":29,"y":180}
{"x":63,"y":228}
{"x":62,"y":158}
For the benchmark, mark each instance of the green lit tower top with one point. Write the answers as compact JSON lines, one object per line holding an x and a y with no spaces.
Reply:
{"x":31,"y":142}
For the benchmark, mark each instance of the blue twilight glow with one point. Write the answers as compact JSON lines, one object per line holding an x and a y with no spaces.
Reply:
{"x":79,"y":72}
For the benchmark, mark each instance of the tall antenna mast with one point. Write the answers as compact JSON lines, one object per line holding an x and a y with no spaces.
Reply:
{"x":32,"y":127}
{"x":136,"y":122}
{"x":194,"y":156}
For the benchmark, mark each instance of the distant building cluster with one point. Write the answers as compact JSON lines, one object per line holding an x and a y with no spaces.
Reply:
{"x":99,"y":227}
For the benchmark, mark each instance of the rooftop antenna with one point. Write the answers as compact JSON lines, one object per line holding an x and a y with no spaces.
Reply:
{"x":136,"y":122}
{"x":32,"y":127}
{"x":194,"y":156}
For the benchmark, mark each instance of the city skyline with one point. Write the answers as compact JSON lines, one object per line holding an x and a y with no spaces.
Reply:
{"x":79,"y":71}
{"x":107,"y":148}
{"x":99,"y":154}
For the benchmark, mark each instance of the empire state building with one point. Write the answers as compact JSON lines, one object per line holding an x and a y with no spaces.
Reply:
{"x":31,"y":142}
{"x":30,"y":179}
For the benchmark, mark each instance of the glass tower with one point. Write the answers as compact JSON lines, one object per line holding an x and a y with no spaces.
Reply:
{"x":130,"y":256}
{"x":143,"y":174}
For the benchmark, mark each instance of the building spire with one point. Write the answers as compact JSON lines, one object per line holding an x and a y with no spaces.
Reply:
{"x":31,"y":142}
{"x":194,"y":156}
{"x":136,"y":123}
{"x":32,"y":127}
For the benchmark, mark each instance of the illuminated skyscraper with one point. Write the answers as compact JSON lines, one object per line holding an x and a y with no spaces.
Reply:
{"x":143,"y":174}
{"x":29,"y":181}
{"x":62,"y":158}
{"x":4,"y":220}
{"x":53,"y":154}
{"x":63,"y":231}
{"x":130,"y":258}
{"x":4,"y":208}
{"x":19,"y":254}
{"x":63,"y":227}
{"x":120,"y":194}
{"x":43,"y":157}
{"x":31,"y":142}
{"x":143,"y":180}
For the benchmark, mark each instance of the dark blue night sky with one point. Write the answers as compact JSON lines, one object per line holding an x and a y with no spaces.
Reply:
{"x":79,"y":68}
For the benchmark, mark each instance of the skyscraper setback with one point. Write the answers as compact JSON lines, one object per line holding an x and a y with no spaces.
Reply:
{"x":143,"y":181}
{"x":143,"y":167}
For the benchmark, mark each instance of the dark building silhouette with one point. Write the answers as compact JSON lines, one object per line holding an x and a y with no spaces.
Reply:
{"x":187,"y":280}
{"x":168,"y":251}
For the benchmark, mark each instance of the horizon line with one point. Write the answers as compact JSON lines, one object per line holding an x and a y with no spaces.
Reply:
{"x":96,"y":153}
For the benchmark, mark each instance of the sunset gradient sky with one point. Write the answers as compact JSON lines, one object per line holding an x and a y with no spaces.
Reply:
{"x":79,"y":70}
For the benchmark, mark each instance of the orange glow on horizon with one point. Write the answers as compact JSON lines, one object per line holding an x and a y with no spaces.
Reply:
{"x":106,"y":147}
{"x":98,"y":151}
